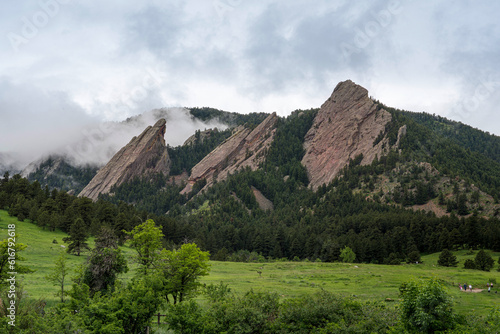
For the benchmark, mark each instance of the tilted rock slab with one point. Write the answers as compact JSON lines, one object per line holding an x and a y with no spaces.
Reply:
{"x":143,"y":155}
{"x":245,"y":148}
{"x":346,"y":125}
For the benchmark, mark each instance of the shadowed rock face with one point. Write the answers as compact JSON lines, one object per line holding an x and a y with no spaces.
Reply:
{"x":346,"y":125}
{"x":245,"y":148}
{"x":143,"y":155}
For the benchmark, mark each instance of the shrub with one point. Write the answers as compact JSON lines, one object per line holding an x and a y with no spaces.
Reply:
{"x":469,"y":264}
{"x":425,"y":307}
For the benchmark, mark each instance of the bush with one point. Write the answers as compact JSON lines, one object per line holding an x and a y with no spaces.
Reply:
{"x":469,"y":264}
{"x":426,"y":307}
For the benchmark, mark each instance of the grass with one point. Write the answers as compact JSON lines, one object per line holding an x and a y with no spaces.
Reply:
{"x":288,"y":279}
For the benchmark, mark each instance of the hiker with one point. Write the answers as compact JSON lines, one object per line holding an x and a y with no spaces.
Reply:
{"x":460,"y":286}
{"x":465,"y":287}
{"x":470,"y":287}
{"x":489,"y":287}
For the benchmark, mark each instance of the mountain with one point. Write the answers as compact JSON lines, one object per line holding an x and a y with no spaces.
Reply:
{"x":346,"y":126}
{"x":387,"y":183}
{"x":245,"y":148}
{"x":143,"y":155}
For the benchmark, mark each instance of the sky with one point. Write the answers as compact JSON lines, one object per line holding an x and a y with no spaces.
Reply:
{"x":65,"y":64}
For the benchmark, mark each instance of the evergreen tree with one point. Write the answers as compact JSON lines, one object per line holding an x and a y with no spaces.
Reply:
{"x":447,"y":259}
{"x":484,"y":261}
{"x":105,"y":262}
{"x":77,"y":237}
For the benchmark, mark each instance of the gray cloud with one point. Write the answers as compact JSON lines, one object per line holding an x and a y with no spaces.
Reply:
{"x":115,"y":59}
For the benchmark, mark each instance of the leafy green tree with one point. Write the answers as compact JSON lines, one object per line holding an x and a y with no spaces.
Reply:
{"x":59,"y":273}
{"x":447,"y":259}
{"x":347,"y":255}
{"x":484,"y":261}
{"x":105,"y":263}
{"x":77,"y":237}
{"x":181,"y":270}
{"x":128,"y":310}
{"x":425,"y":307}
{"x":147,"y":242}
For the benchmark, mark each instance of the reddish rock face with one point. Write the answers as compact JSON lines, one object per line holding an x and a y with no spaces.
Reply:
{"x":245,"y":148}
{"x":346,"y":125}
{"x":143,"y":155}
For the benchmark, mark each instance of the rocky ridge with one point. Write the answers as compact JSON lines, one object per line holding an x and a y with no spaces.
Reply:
{"x":245,"y":148}
{"x":143,"y":155}
{"x":346,"y":126}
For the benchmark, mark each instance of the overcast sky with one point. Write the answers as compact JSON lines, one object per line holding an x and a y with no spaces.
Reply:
{"x":64,"y":63}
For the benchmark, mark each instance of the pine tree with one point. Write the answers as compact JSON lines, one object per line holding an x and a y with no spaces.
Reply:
{"x":484,"y":261}
{"x":447,"y":259}
{"x":105,"y":263}
{"x":77,"y":237}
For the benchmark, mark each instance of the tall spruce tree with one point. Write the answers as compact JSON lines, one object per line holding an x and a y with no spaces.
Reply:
{"x":77,"y":237}
{"x":484,"y":261}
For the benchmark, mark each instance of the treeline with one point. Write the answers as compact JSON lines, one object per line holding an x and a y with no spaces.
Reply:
{"x":229,"y":118}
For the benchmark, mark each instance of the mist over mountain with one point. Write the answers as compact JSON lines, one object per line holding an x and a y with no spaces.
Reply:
{"x":87,"y":142}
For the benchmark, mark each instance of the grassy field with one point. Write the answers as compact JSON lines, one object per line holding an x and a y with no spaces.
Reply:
{"x":288,"y":279}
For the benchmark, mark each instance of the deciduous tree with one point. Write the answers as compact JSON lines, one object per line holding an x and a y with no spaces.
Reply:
{"x":181,"y":270}
{"x":59,"y":273}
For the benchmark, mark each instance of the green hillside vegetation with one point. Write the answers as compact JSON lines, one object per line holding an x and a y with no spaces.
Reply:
{"x":65,"y":176}
{"x":279,"y":281}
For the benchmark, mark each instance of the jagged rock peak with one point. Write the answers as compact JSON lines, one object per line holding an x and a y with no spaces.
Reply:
{"x":143,"y":155}
{"x":245,"y":148}
{"x":346,"y":126}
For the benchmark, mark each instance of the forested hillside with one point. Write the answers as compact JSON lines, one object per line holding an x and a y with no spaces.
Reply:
{"x":437,"y":188}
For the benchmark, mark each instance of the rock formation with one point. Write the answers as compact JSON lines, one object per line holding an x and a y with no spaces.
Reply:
{"x":346,"y":125}
{"x":245,"y":148}
{"x":145,"y":154}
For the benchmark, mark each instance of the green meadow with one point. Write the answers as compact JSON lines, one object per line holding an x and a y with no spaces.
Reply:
{"x":289,"y":279}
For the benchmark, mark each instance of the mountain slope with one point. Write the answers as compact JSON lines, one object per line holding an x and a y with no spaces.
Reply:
{"x":245,"y":148}
{"x":143,"y":155}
